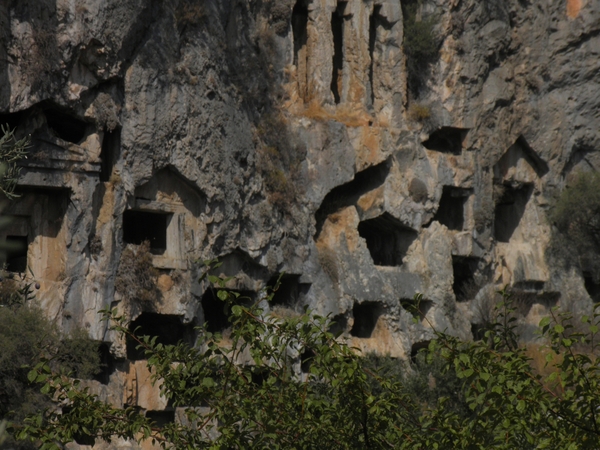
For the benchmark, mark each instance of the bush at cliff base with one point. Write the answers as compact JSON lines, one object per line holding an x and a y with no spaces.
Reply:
{"x":342,"y":401}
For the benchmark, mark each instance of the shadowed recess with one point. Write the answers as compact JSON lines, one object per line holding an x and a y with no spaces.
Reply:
{"x":446,"y":140}
{"x":140,"y":226}
{"x":510,"y":210}
{"x":366,"y":316}
{"x":65,"y":126}
{"x":348,"y":194}
{"x":387,"y":239}
{"x":168,"y":329}
{"x":217,"y":311}
{"x":337,"y":29}
{"x":451,"y":211}
{"x":464,"y":286}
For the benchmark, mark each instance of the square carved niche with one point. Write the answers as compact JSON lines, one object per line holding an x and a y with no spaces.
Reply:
{"x":163,"y":230}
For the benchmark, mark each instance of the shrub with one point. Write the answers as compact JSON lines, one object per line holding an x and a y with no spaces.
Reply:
{"x":12,"y":151}
{"x":419,"y":112}
{"x":27,"y":336}
{"x":576,"y":214}
{"x":136,"y":275}
{"x":280,"y":156}
{"x":420,"y":44}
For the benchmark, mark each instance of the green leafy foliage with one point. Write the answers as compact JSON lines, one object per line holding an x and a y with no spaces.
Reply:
{"x":27,"y":336}
{"x":420,"y":46}
{"x":577,"y":217}
{"x":136,"y":275}
{"x":246,"y":392}
{"x":12,"y":150}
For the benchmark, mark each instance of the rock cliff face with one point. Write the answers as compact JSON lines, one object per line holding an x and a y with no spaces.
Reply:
{"x":282,"y":137}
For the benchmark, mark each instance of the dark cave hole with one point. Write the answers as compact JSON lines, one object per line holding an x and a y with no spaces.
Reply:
{"x":168,"y":329}
{"x":447,"y":140}
{"x":65,"y":126}
{"x":338,"y":325}
{"x":465,"y":287}
{"x":478,"y":331}
{"x":451,"y":211}
{"x":522,"y":301}
{"x":417,"y":308}
{"x":592,"y":287}
{"x":306,"y":359}
{"x":365,"y":318}
{"x":108,"y":363}
{"x":348,"y":193}
{"x":111,"y":144}
{"x":416,"y":348}
{"x":337,"y":28}
{"x":140,"y":226}
{"x":509,"y":211}
{"x":387,"y":239}
{"x":217,"y":311}
{"x":12,"y":120}
{"x":16,"y":253}
{"x":161,"y":418}
{"x":290,"y":291}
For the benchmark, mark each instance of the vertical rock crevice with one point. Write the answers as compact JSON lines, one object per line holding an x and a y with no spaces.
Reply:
{"x":337,"y":28}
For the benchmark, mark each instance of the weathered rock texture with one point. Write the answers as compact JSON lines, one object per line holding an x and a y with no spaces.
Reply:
{"x":280,"y":137}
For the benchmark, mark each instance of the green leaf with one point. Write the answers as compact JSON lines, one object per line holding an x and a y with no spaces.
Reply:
{"x":32,"y":375}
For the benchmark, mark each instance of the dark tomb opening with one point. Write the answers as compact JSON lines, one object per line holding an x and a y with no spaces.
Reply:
{"x":592,"y":287}
{"x":289,"y":292}
{"x":168,"y":329}
{"x":478,"y":331}
{"x":217,"y":312}
{"x":374,"y":23}
{"x":416,"y":348}
{"x":140,"y":226}
{"x":16,"y":253}
{"x":306,"y":359}
{"x":347,"y":194}
{"x":300,"y":34}
{"x":451,"y":211}
{"x":337,"y":28}
{"x":365,"y":318}
{"x":522,"y":301}
{"x":418,"y":309}
{"x":66,"y":127}
{"x":338,"y":325}
{"x":108,"y":363}
{"x":509,"y":211}
{"x":387,"y":239}
{"x":259,"y":375}
{"x":12,"y":120}
{"x":465,"y":287}
{"x":161,"y":418}
{"x":109,"y":153}
{"x":447,"y":140}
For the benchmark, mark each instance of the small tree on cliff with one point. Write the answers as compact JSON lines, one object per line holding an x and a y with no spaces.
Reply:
{"x":577,"y":217}
{"x":12,"y":150}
